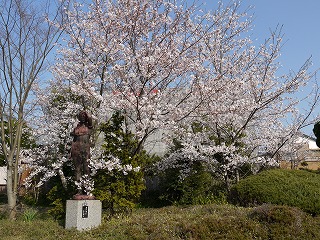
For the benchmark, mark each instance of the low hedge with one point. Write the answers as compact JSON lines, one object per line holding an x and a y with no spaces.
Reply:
{"x":297,"y":188}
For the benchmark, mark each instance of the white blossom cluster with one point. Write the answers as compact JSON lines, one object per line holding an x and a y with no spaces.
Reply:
{"x":100,"y":161}
{"x":86,"y":183}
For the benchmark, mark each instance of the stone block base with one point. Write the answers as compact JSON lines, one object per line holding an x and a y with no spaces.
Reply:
{"x":83,"y":214}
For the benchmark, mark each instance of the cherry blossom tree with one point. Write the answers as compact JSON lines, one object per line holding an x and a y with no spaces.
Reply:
{"x":168,"y":67}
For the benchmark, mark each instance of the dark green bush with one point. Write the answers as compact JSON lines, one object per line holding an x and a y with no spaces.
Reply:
{"x":118,"y":192}
{"x":199,"y":187}
{"x":283,"y":187}
{"x":57,"y":197}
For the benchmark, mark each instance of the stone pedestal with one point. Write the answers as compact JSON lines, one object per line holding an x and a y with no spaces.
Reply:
{"x":83,"y":214}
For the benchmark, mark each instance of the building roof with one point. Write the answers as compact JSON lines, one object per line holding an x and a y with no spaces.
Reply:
{"x":308,"y":139}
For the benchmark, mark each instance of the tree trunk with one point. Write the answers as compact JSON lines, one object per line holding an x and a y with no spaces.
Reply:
{"x":227,"y":182}
{"x":11,"y":192}
{"x":237,"y":176}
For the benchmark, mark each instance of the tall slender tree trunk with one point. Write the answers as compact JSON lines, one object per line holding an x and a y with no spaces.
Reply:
{"x":13,"y":169}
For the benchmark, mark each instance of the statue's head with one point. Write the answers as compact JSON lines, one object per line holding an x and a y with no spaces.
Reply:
{"x":83,"y":116}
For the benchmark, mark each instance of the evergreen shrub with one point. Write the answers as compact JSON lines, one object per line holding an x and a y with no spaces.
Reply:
{"x":120,"y":190}
{"x":295,"y":188}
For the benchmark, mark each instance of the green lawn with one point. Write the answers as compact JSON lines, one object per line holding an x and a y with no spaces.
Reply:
{"x":192,"y":222}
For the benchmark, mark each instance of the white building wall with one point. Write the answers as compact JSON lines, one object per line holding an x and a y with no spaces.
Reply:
{"x":154,"y":144}
{"x":3,"y":175}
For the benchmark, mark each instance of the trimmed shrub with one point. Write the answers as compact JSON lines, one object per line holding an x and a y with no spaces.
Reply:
{"x":282,"y":187}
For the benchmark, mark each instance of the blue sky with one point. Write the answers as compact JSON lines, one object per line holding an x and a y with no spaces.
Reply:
{"x":300,"y":21}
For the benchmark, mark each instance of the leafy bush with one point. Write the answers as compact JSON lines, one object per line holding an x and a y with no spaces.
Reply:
{"x":117,"y":191}
{"x":283,"y":187}
{"x":57,"y":197}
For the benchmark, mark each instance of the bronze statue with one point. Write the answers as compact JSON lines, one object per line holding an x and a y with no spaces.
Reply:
{"x":80,"y":147}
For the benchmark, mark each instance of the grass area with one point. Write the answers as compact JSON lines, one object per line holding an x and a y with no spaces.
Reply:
{"x":192,"y":222}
